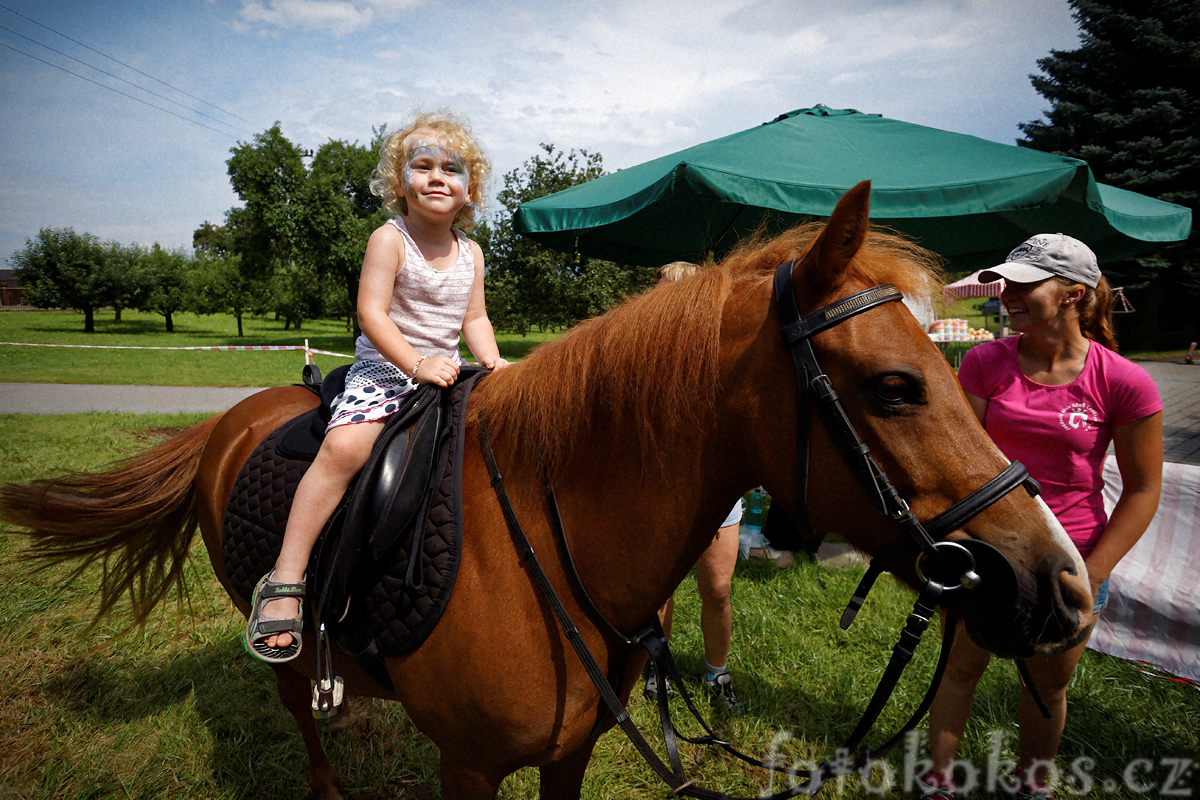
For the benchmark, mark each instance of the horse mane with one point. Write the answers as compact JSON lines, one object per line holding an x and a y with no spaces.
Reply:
{"x":651,"y":357}
{"x":655,"y":356}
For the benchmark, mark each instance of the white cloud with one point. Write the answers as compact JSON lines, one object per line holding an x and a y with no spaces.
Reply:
{"x":632,"y":80}
{"x":339,"y":17}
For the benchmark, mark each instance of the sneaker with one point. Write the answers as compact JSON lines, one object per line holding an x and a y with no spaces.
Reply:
{"x":720,"y":692}
{"x":935,"y":786}
{"x":1187,"y":359}
{"x":650,"y":691}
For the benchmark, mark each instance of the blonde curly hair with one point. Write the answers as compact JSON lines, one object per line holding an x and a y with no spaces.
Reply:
{"x":387,"y":181}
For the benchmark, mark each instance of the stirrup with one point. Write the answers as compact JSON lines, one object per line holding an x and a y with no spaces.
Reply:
{"x":259,"y":628}
{"x":328,"y":690}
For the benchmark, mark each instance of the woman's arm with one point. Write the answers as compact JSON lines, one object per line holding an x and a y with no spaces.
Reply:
{"x":477,"y":328}
{"x":978,"y":405}
{"x":1139,"y":450}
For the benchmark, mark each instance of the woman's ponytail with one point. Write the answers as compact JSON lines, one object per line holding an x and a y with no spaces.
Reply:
{"x":1095,"y":314}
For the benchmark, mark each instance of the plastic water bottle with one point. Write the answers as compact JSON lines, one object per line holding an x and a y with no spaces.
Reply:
{"x":756,"y":509}
{"x":750,"y":537}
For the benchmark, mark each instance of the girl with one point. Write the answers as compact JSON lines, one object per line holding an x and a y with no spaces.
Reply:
{"x":1053,"y":399}
{"x":421,"y":286}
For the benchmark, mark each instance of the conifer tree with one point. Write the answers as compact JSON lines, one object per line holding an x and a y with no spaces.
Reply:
{"x":1127,"y":101}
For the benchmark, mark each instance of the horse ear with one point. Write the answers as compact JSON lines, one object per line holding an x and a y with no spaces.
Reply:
{"x":844,"y":233}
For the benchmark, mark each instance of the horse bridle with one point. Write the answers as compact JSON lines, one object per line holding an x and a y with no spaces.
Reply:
{"x":813,"y":384}
{"x":941,"y":566}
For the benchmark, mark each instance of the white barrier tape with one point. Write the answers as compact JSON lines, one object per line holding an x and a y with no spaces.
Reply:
{"x":197,"y":347}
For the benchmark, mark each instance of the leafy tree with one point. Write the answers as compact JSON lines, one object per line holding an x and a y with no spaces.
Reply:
{"x":217,"y":285}
{"x":1127,"y":101}
{"x":213,"y":240}
{"x":127,"y":280}
{"x":531,"y":286}
{"x":297,"y":293}
{"x":299,"y":221}
{"x":167,"y":282}
{"x":269,"y":175}
{"x":337,"y":214}
{"x":64,"y":269}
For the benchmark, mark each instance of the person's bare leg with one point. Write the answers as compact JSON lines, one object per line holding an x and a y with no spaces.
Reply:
{"x":342,"y":454}
{"x":714,"y":578}
{"x":1040,"y":736}
{"x":952,"y":704}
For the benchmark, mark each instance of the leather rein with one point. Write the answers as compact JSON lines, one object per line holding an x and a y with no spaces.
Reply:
{"x":943,"y":567}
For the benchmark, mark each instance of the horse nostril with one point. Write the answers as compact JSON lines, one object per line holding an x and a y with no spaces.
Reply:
{"x":1076,"y":593}
{"x":1062,"y":598}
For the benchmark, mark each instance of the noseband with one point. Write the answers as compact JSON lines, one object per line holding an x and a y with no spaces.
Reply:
{"x":935,"y":559}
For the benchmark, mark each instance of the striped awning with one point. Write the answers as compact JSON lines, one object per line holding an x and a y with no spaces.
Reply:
{"x":971,"y":287}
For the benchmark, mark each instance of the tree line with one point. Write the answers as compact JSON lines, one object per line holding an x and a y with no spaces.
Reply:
{"x":1124,"y":101}
{"x":295,"y":246}
{"x":60,"y":268}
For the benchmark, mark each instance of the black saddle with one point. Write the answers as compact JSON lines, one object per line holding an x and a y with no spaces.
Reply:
{"x":383,"y":568}
{"x":302,"y":436}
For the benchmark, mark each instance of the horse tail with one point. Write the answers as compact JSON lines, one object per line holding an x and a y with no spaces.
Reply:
{"x":137,"y":518}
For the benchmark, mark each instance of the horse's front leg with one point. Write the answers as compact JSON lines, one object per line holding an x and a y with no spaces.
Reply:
{"x":563,"y":779}
{"x":296,"y":694}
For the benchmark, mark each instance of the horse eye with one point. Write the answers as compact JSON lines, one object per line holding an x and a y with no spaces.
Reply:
{"x":894,"y":389}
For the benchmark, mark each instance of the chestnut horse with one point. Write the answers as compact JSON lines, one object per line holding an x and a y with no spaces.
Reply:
{"x":668,"y":407}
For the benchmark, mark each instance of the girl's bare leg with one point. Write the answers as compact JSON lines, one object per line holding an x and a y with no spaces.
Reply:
{"x":342,"y":454}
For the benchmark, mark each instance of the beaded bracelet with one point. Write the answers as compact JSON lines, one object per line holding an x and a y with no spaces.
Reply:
{"x":416,"y":367}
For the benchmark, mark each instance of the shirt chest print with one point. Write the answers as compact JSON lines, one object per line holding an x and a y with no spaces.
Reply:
{"x":1078,"y":416}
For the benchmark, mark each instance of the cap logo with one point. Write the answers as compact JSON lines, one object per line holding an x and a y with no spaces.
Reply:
{"x":1026,"y":252}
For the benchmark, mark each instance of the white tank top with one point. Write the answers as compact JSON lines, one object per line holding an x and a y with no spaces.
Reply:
{"x":428,"y":305}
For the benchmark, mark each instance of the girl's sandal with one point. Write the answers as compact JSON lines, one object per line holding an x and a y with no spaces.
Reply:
{"x":259,"y":628}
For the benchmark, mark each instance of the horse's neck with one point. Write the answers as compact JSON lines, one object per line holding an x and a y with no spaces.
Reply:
{"x":636,"y":530}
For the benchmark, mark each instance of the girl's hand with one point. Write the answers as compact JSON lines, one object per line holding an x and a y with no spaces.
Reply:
{"x":497,"y":363}
{"x":438,"y":370}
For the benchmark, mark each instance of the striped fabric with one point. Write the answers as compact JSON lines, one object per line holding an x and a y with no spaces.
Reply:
{"x":1153,"y":612}
{"x":428,"y":305}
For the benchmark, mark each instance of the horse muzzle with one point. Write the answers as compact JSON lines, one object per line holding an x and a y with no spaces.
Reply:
{"x":1016,"y":614}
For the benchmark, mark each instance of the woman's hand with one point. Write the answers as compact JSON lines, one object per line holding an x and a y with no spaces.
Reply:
{"x":1097,"y":574}
{"x":438,"y":370}
{"x":499,"y":362}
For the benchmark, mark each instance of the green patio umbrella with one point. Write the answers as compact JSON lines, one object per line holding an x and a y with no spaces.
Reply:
{"x":969,"y":199}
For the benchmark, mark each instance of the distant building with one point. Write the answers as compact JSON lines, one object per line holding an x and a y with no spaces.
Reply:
{"x":11,"y":291}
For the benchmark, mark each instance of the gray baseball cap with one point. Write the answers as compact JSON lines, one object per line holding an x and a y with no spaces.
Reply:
{"x":1044,"y":256}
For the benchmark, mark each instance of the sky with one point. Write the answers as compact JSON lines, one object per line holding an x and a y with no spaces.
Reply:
{"x":117,"y":119}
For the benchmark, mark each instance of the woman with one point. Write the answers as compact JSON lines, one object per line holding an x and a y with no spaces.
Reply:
{"x":1054,"y":398}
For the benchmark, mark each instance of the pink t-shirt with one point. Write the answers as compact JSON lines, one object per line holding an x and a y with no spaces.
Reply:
{"x":1060,"y":433}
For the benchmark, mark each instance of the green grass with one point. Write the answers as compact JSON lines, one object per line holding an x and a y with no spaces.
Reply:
{"x":176,"y":710}
{"x":177,"y":367}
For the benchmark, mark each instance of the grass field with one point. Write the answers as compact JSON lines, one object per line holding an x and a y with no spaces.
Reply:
{"x":177,"y":710}
{"x":177,"y":367}
{"x":221,"y":368}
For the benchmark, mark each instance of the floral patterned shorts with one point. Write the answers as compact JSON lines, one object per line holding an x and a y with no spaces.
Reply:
{"x":374,"y":391}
